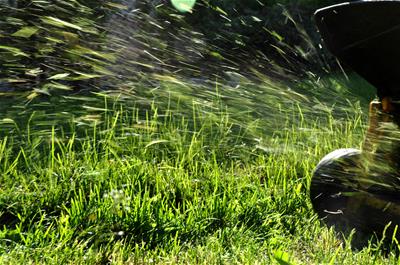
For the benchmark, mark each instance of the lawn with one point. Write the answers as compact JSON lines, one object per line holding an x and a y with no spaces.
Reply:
{"x":179,"y":179}
{"x":133,"y":134}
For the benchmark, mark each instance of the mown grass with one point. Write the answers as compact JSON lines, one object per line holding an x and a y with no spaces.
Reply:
{"x":177,"y":184}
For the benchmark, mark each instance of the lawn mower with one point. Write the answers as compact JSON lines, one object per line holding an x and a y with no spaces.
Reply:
{"x":360,"y":189}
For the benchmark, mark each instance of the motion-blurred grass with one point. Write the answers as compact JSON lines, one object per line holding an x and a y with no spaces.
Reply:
{"x":138,"y":142}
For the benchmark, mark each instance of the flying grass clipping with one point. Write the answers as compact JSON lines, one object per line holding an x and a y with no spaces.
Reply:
{"x":183,"y":6}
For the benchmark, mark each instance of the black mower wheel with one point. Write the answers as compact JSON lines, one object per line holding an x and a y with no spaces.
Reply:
{"x":342,"y":202}
{"x":333,"y":180}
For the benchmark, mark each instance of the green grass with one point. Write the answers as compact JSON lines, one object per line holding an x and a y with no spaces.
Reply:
{"x":182,"y":182}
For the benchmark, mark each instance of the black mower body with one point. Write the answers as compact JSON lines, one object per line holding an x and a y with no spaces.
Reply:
{"x":365,"y":35}
{"x":361,"y":188}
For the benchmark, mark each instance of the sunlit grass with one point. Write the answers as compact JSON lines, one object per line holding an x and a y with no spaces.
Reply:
{"x":174,"y":150}
{"x":182,"y":182}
